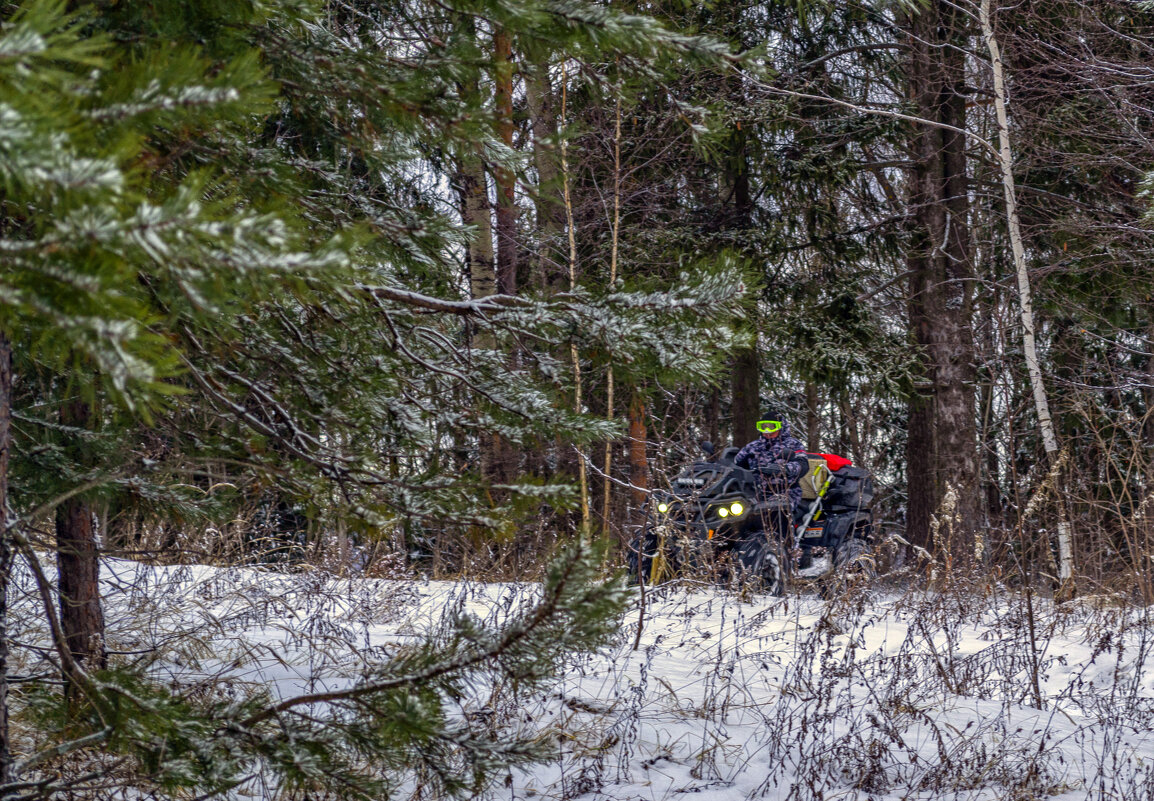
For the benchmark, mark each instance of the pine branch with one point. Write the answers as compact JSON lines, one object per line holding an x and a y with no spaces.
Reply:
{"x":60,"y":750}
{"x":510,"y":637}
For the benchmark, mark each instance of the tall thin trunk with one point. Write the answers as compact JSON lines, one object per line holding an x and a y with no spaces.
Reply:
{"x":812,"y":419}
{"x":505,"y":457}
{"x":5,"y":549}
{"x":547,"y":198}
{"x":921,"y":491}
{"x":1029,"y":345}
{"x":476,"y":212}
{"x":989,"y":427}
{"x":638,"y":457}
{"x":78,"y":565}
{"x":577,"y":400}
{"x":505,"y":179}
{"x":1148,"y":402}
{"x":1147,"y":504}
{"x":547,"y":266}
{"x":746,"y":405}
{"x":475,"y":193}
{"x":746,"y":371}
{"x":992,"y":493}
{"x":715,"y":418}
{"x":853,"y":432}
{"x":605,"y":509}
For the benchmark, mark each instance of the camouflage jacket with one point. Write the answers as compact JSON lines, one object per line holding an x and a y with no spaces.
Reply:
{"x":781,"y":450}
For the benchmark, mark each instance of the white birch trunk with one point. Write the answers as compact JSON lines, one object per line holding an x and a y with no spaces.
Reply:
{"x":1041,"y":404}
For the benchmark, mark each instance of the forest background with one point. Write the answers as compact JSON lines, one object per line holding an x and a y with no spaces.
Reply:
{"x":431,"y":288}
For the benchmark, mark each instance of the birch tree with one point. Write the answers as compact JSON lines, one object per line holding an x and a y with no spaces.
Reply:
{"x":1025,"y":300}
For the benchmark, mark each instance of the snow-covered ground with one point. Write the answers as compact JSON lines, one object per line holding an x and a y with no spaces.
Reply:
{"x":892,"y":696}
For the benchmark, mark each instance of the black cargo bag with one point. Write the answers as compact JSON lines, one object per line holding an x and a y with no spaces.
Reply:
{"x":849,"y":488}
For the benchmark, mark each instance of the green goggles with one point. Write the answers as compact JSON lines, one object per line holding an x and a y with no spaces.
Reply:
{"x":768,"y":426}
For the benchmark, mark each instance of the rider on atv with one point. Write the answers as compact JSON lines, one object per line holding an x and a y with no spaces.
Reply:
{"x":749,"y":512}
{"x":778,"y":460}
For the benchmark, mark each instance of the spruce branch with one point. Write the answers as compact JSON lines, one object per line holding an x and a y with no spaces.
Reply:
{"x":565,"y":572}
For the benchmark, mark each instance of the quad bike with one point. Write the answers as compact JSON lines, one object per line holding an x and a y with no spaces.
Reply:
{"x":713,"y":517}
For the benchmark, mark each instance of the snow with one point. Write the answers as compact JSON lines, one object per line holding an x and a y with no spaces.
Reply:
{"x":886,"y":695}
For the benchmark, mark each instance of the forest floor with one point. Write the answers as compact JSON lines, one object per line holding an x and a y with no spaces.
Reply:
{"x":881,"y":695}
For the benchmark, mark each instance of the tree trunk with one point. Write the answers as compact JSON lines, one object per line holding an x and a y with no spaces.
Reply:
{"x":988,"y":434}
{"x":78,"y":566}
{"x":1148,"y":419}
{"x":746,"y":405}
{"x":570,"y":226}
{"x":506,"y":179}
{"x":547,"y":200}
{"x":547,"y":266}
{"x":5,"y":550}
{"x":853,"y":432}
{"x":941,"y":278}
{"x":746,"y":375}
{"x":921,"y":491}
{"x":714,"y":421}
{"x":1029,"y":346}
{"x":476,"y":214}
{"x":638,"y":458}
{"x":505,"y":458}
{"x":812,"y":418}
{"x":1147,"y":503}
{"x":609,"y":411}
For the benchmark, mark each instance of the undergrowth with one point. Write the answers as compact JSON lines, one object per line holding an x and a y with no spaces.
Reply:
{"x":974,"y":691}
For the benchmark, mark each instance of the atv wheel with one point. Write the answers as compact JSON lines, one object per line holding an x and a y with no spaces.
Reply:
{"x":854,"y":567}
{"x":759,"y":565}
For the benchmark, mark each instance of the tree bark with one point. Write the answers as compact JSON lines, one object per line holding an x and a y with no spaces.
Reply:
{"x":746,"y":373}
{"x":714,"y":421}
{"x":570,"y":226}
{"x":746,"y":404}
{"x":5,"y":550}
{"x":853,"y":431}
{"x":504,"y":457}
{"x":1029,"y":346}
{"x":812,"y":418}
{"x":505,"y":178}
{"x":609,"y":411}
{"x":988,"y":431}
{"x":942,"y":444}
{"x":1148,"y":440}
{"x":78,"y":566}
{"x":476,"y":214}
{"x":547,"y":200}
{"x":638,"y":458}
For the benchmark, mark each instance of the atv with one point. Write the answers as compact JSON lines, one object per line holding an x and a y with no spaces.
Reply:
{"x":713,"y":518}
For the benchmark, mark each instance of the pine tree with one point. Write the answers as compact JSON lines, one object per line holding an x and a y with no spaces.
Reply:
{"x":223,"y":247}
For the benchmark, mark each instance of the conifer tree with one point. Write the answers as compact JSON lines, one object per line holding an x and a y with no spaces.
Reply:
{"x":219,"y":239}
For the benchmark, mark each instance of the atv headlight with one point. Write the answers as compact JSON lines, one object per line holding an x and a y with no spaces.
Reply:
{"x":663,"y":507}
{"x":736,"y":508}
{"x":722,"y":512}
